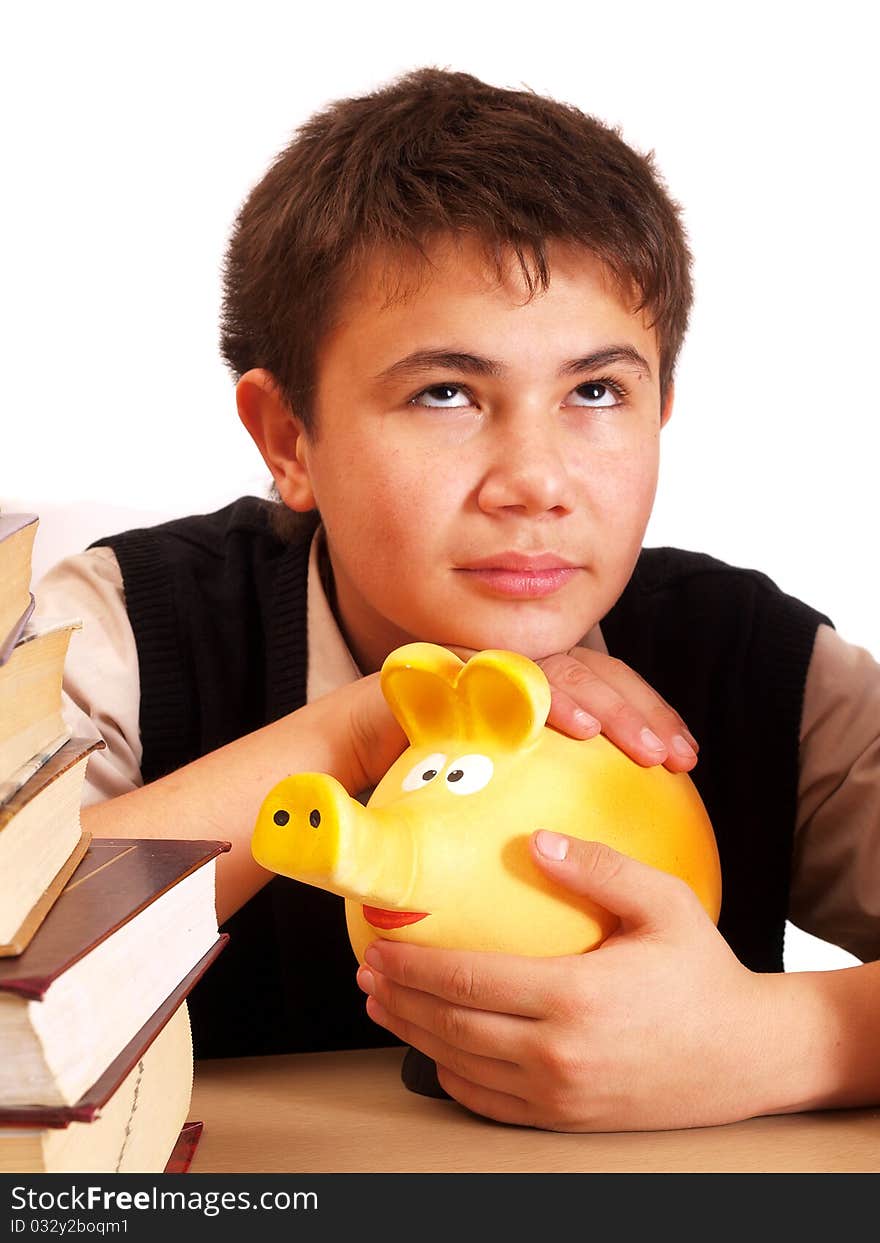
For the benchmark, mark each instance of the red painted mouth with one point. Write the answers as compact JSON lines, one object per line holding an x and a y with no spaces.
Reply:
{"x":377,"y":918}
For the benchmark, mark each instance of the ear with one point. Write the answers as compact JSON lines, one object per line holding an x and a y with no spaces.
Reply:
{"x":418,"y":682}
{"x":666,"y":411}
{"x":279,"y":436}
{"x":506,"y":698}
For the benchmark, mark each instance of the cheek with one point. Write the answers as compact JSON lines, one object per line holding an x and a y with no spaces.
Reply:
{"x":641,"y":481}
{"x":621,"y":485}
{"x":386,"y":512}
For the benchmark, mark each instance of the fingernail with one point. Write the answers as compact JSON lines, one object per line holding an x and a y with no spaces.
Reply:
{"x":552,"y":845}
{"x":589,"y":724}
{"x":651,"y":741}
{"x":681,"y":746}
{"x":373,"y":957}
{"x":377,"y":1011}
{"x":366,"y":980}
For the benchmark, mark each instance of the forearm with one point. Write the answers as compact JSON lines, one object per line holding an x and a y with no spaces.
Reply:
{"x":219,"y":795}
{"x":823,"y":1040}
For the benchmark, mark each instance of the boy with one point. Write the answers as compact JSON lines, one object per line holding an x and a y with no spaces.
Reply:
{"x":453,"y":313}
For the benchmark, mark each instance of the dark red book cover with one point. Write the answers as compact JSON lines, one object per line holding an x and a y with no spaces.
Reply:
{"x":185,"y":1149}
{"x":118,"y":878}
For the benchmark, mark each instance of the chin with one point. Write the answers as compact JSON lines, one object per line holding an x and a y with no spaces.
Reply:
{"x":535,"y":641}
{"x":537,"y":649}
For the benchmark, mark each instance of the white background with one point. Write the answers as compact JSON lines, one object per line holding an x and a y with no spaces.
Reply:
{"x":132,"y":134}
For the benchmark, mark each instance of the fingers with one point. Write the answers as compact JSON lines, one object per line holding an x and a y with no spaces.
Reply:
{"x":494,"y":1073}
{"x":567,"y":715}
{"x":592,"y":692}
{"x":498,"y":1037}
{"x":641,"y":896}
{"x":501,"y":983}
{"x":631,"y":713}
{"x":500,"y":1106}
{"x":375,"y":737}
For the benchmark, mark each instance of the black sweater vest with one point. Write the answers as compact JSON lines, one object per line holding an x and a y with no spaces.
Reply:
{"x":217,"y":604}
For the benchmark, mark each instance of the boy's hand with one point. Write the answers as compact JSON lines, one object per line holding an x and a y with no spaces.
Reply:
{"x":375,"y":738}
{"x":592,"y":692}
{"x":658,"y":1027}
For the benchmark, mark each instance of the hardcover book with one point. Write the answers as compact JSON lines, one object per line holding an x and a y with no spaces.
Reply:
{"x":135,"y":919}
{"x":17,"y":533}
{"x":31,"y":724}
{"x":139,"y":1126}
{"x":41,"y":842}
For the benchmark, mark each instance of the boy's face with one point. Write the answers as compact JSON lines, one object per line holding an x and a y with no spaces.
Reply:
{"x":484,"y":465}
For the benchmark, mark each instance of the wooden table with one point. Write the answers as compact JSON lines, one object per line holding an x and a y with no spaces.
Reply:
{"x":349,"y":1112}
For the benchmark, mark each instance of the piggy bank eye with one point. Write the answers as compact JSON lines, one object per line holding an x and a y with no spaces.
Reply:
{"x":424,"y":772}
{"x":469,"y":774}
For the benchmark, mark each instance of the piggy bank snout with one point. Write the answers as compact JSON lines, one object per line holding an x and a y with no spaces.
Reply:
{"x":281,"y":816}
{"x":298,"y":827}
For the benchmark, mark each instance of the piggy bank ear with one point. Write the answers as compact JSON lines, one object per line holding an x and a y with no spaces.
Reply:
{"x":505,"y":697}
{"x":418,"y":682}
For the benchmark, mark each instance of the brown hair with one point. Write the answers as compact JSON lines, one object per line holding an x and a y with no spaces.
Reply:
{"x":434,"y":152}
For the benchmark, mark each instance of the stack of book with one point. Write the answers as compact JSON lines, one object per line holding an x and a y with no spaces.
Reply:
{"x":101,"y":941}
{"x":41,"y":769}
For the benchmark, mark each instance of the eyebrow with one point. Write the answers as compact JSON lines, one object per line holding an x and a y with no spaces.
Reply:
{"x":473,"y":364}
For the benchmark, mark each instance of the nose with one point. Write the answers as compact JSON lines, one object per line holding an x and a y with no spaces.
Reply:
{"x":528,"y":473}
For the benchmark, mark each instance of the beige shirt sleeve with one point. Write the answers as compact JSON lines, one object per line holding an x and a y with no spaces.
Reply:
{"x":836,"y":867}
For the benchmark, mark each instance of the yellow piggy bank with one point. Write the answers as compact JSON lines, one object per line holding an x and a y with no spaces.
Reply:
{"x":439,"y":856}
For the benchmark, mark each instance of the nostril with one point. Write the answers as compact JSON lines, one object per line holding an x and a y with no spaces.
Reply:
{"x":314,"y":818}
{"x":281,"y":818}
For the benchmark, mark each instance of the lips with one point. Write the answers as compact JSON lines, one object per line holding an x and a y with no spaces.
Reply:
{"x":520,"y":575}
{"x":377,"y":918}
{"x":522,"y":582}
{"x":529,"y":563}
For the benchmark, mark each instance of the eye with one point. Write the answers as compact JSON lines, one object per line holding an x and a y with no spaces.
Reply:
{"x":595,"y":393}
{"x":424,"y":772}
{"x":469,"y":774}
{"x":442,"y":397}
